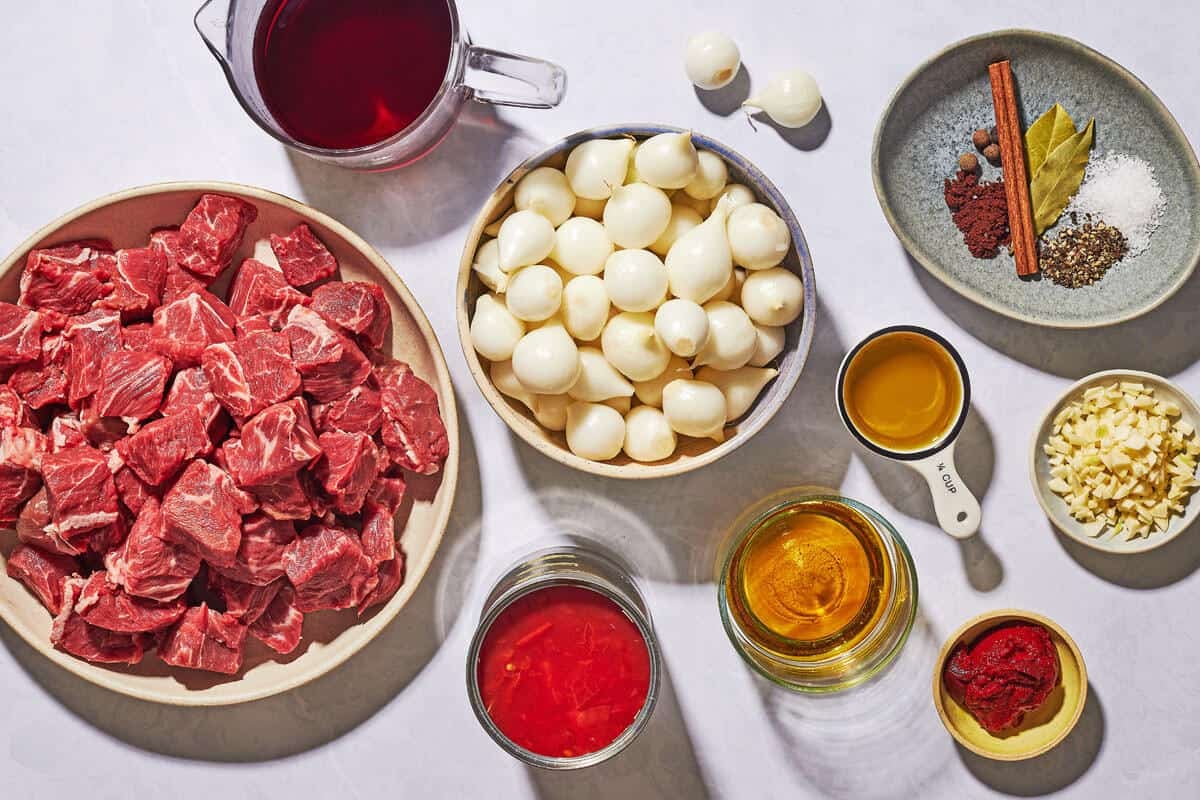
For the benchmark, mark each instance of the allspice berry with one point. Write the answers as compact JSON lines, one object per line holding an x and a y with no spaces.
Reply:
{"x":981,"y":138}
{"x":967,"y":162}
{"x":992,"y":153}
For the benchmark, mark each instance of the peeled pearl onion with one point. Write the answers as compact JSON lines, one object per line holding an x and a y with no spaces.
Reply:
{"x":668,"y":160}
{"x":546,"y":360}
{"x":534,"y":293}
{"x":550,"y":410}
{"x":682,"y":325}
{"x":683,"y":219}
{"x":740,"y":386}
{"x":594,"y":431}
{"x":758,"y":237}
{"x":709,"y":180}
{"x":695,"y":408}
{"x":648,"y":435}
{"x":631,"y":345}
{"x":636,"y":215}
{"x":587,"y":207}
{"x":525,"y":238}
{"x":650,"y":392}
{"x":636,"y":280}
{"x":700,"y":262}
{"x":506,"y":382}
{"x":711,"y":60}
{"x":546,"y":191}
{"x":494,"y":329}
{"x":735,"y":195}
{"x":581,"y":246}
{"x":598,"y":166}
{"x":585,"y":307}
{"x":769,"y":342}
{"x":731,"y":337}
{"x":487,"y":266}
{"x":773,"y":297}
{"x":598,"y":379}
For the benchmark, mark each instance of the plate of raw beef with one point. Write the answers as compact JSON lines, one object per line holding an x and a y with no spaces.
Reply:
{"x":228,"y":443}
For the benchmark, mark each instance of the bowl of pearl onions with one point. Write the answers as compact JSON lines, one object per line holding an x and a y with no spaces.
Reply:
{"x":636,"y":301}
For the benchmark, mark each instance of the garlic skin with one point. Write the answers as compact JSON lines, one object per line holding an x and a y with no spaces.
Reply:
{"x":594,"y":431}
{"x":700,"y":261}
{"x":711,"y":60}
{"x":731,"y":337}
{"x":636,"y":215}
{"x":734,"y":195}
{"x":505,"y":381}
{"x":741,"y":386}
{"x":631,"y":345}
{"x":487,"y":266}
{"x":592,"y":209}
{"x":525,"y":238}
{"x":581,"y":246}
{"x":710,"y":178}
{"x":597,"y":167}
{"x":695,"y":408}
{"x":682,"y":325}
{"x":683,"y":219}
{"x":648,"y":435}
{"x":773,"y":296}
{"x":546,"y":191}
{"x":668,"y":160}
{"x":769,"y":342}
{"x":650,"y":392}
{"x":636,"y":280}
{"x":494,"y":330}
{"x":534,"y":293}
{"x":758,"y":237}
{"x":585,"y":306}
{"x":550,"y":410}
{"x":546,"y":360}
{"x":792,"y":99}
{"x":598,"y":379}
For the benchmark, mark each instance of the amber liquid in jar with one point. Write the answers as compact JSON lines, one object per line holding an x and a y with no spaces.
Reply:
{"x":810,"y":581}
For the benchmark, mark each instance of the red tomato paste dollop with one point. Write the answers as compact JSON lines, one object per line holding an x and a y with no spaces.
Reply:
{"x":563,"y":671}
{"x":1008,"y":671}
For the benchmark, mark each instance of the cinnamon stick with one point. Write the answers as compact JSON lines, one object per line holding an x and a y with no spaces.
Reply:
{"x":1012,"y":158}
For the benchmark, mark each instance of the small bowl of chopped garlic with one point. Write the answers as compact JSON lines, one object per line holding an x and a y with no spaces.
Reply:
{"x":1113,"y":463}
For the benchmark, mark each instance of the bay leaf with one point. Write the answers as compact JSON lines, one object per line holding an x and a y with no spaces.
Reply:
{"x":1059,"y":177}
{"x":1046,"y":133}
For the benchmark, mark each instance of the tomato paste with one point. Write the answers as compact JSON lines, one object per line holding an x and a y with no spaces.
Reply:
{"x":563,"y":671}
{"x":1008,"y":671}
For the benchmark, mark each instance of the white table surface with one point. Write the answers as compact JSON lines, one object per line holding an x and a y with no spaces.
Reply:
{"x":102,"y":96}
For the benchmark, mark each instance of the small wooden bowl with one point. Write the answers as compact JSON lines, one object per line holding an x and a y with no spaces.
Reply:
{"x":1040,"y":730}
{"x":691,"y":453}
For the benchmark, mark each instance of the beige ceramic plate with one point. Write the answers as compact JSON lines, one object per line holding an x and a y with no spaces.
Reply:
{"x":126,"y":219}
{"x":691,"y":453}
{"x":1041,"y":729}
{"x":1056,"y":508}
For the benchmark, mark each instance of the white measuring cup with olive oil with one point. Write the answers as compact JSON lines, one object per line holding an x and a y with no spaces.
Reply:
{"x":904,"y":393}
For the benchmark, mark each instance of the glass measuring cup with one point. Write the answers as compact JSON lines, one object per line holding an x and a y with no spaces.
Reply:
{"x":229,"y":28}
{"x":958,"y":512}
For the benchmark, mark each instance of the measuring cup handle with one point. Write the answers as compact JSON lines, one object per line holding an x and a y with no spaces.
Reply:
{"x":548,"y":81}
{"x":957,"y":510}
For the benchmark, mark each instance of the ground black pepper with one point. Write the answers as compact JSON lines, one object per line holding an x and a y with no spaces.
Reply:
{"x":1079,"y":256}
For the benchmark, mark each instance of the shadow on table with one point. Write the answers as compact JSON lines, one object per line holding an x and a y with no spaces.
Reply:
{"x":311,"y":715}
{"x":1174,"y":561}
{"x":1052,"y":771}
{"x":809,"y":137}
{"x":687,"y":515}
{"x":729,"y":98}
{"x":1163,"y":341}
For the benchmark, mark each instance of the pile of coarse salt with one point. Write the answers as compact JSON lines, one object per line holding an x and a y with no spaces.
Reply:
{"x":1122,"y":190}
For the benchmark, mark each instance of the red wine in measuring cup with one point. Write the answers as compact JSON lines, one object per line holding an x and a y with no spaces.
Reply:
{"x":349,"y":73}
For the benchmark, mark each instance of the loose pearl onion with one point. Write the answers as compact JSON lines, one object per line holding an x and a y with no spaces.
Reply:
{"x":594,"y":431}
{"x":650,"y":392}
{"x":585,"y":307}
{"x":735,"y":195}
{"x":758,"y":238}
{"x":487,"y":266}
{"x":731,"y":337}
{"x":592,"y":209}
{"x":636,"y":215}
{"x":683,"y":219}
{"x":711,"y":60}
{"x":631,"y":345}
{"x":682,"y":325}
{"x":546,"y":191}
{"x":598,"y":166}
{"x":740,"y":386}
{"x":525,"y":238}
{"x":494,"y":329}
{"x":636,"y":280}
{"x":534,"y":293}
{"x":769,"y":343}
{"x":598,"y":380}
{"x":773,"y":296}
{"x":710,"y":178}
{"x":546,"y":360}
{"x":581,"y":246}
{"x":668,"y":160}
{"x":695,"y":408}
{"x":648,"y":435}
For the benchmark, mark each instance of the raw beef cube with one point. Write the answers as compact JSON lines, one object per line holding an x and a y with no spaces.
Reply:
{"x":259,"y":289}
{"x":179,"y":278}
{"x":274,"y":444}
{"x":102,"y":540}
{"x":330,"y":364}
{"x":358,"y":308}
{"x":302,"y":257}
{"x":131,"y":384}
{"x":214,"y":230}
{"x":328,"y":568}
{"x":80,"y":492}
{"x":285,"y":498}
{"x":132,"y":491}
{"x":139,"y":336}
{"x":251,"y":373}
{"x":260,"y":554}
{"x":149,"y":566}
{"x":44,"y":382}
{"x":245,"y":602}
{"x":90,"y":336}
{"x":162,"y":447}
{"x":68,"y":278}
{"x":379,"y":519}
{"x":14,"y":412}
{"x":104,"y":604}
{"x":279,"y":628}
{"x":357,"y":411}
{"x":413,"y":431}
{"x":247,"y":326}
{"x":42,"y":573}
{"x":34,"y":529}
{"x":71,"y":634}
{"x":184,"y":327}
{"x":203,"y":510}
{"x":205,"y":639}
{"x":391,"y":577}
{"x":347,"y":469}
{"x":138,"y":278}
{"x":191,"y":389}
{"x":23,"y":447}
{"x":66,"y":431}
{"x":20,"y":335}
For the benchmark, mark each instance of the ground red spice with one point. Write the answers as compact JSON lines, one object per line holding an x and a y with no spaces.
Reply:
{"x":980,"y":210}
